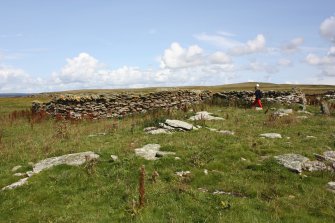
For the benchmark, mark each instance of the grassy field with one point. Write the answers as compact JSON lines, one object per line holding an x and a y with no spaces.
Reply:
{"x":242,"y":164}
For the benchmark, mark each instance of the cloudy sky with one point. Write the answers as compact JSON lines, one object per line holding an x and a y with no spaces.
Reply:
{"x":78,"y":44}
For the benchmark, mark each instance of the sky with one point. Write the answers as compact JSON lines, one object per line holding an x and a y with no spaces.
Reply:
{"x":79,"y":44}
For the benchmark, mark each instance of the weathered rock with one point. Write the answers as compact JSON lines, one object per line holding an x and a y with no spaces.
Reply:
{"x":179,"y":124}
{"x":183,"y":173}
{"x":292,"y":161}
{"x":331,"y":186}
{"x":312,"y":166}
{"x":271,"y":135}
{"x":20,"y":174}
{"x":74,"y":159}
{"x":329,"y":155}
{"x":16,"y":168}
{"x":148,"y":151}
{"x":16,"y":184}
{"x":226,"y":132}
{"x":114,"y":157}
{"x":324,"y":108}
{"x":155,"y":131}
{"x":283,"y":112}
{"x":204,"y":115}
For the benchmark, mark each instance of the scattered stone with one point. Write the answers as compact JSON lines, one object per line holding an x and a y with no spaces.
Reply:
{"x":271,"y":135}
{"x":74,"y":159}
{"x":302,"y":117}
{"x":183,"y":173}
{"x":292,"y":161}
{"x":312,"y":166}
{"x":331,"y":186}
{"x":30,"y":173}
{"x":204,"y":190}
{"x":156,"y":131}
{"x":283,"y":112}
{"x":291,"y":196}
{"x":114,"y":157}
{"x":177,"y":158}
{"x":16,"y":168}
{"x":243,"y":159}
{"x":148,"y":151}
{"x":324,"y":108}
{"x":226,"y":132}
{"x":16,"y":184}
{"x":329,"y":155}
{"x":20,"y":174}
{"x":310,"y":137}
{"x":152,"y":152}
{"x":204,"y":115}
{"x":205,"y":171}
{"x":179,"y":124}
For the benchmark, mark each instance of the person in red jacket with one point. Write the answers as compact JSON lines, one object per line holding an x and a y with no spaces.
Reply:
{"x":258,"y":96}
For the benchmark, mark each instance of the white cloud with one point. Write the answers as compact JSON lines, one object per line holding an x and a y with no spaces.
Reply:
{"x":252,"y":46}
{"x":326,"y":64}
{"x":293,"y":45}
{"x":284,"y":62}
{"x":15,"y":80}
{"x":178,"y":57}
{"x":220,"y":58}
{"x":78,"y":69}
{"x":220,"y":41}
{"x":327,"y":28}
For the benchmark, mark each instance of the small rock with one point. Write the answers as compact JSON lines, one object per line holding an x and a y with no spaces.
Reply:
{"x":312,"y":166}
{"x":20,"y":174}
{"x":30,"y":173}
{"x":15,"y":168}
{"x":310,"y":137}
{"x":179,"y":124}
{"x":329,"y":155}
{"x":148,"y":151}
{"x":271,"y":135}
{"x":157,"y":131}
{"x":292,"y":161}
{"x":302,"y":117}
{"x":331,"y":186}
{"x":183,"y":173}
{"x":16,"y":184}
{"x":226,"y":132}
{"x":177,"y":158}
{"x":203,"y":115}
{"x":204,"y":190}
{"x":114,"y":157}
{"x":205,"y":171}
{"x":243,"y":159}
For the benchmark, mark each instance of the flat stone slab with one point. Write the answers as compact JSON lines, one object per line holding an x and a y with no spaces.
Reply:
{"x":271,"y":135}
{"x":203,"y":115}
{"x":292,"y":161}
{"x":74,"y":159}
{"x":179,"y":124}
{"x":156,"y":131}
{"x":16,"y":184}
{"x":152,"y":152}
{"x":283,"y":112}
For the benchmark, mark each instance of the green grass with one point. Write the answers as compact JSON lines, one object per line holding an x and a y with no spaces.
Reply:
{"x":264,"y":191}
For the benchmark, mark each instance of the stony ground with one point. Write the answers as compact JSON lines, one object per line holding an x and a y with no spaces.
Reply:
{"x":220,"y":170}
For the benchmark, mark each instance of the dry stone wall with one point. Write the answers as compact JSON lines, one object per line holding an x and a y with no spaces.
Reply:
{"x":118,"y":105}
{"x":245,"y":98}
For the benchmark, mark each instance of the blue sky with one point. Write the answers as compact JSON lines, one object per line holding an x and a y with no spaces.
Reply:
{"x":77,"y":44}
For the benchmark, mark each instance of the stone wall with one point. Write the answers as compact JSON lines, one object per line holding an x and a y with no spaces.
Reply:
{"x":245,"y":98}
{"x":95,"y":106}
{"x":118,"y":105}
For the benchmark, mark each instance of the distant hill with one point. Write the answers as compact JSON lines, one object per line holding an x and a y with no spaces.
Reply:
{"x":13,"y":95}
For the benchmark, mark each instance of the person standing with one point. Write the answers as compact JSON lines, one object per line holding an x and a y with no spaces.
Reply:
{"x":258,"y":96}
